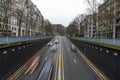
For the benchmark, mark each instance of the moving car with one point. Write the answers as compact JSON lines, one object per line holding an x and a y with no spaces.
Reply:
{"x":73,"y":48}
{"x":53,"y":48}
{"x":45,"y":75}
{"x":56,"y":41}
{"x":50,"y":44}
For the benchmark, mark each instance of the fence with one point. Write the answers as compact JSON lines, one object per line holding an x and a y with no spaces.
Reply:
{"x":17,"y":39}
{"x":101,"y":40}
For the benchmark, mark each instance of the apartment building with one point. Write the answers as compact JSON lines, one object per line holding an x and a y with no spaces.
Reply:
{"x":87,"y":29}
{"x":6,"y":29}
{"x":108,"y":19}
{"x":117,"y":12}
{"x":23,"y":19}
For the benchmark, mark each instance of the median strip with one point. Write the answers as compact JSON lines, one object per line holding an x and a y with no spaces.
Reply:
{"x":59,"y":77}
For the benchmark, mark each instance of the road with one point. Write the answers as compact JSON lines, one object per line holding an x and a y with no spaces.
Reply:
{"x":63,"y":64}
{"x":75,"y":68}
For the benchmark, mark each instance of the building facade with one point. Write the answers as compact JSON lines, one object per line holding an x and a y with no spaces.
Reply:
{"x":117,"y":20}
{"x":20,"y":18}
{"x":108,"y":19}
{"x":87,"y":28}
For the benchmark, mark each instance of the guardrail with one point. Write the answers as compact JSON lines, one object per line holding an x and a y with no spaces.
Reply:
{"x":18,"y":39}
{"x":100,"y":40}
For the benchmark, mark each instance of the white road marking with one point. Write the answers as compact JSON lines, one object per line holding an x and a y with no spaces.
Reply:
{"x":46,"y":58}
{"x":69,"y":49}
{"x":56,"y":67}
{"x":40,"y":74}
{"x":74,"y":61}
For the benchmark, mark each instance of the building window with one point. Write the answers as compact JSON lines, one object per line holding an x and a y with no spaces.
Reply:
{"x":0,"y":26}
{"x":0,"y":20}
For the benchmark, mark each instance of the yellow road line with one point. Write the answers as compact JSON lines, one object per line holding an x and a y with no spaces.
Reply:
{"x":15,"y":75}
{"x":59,"y":77}
{"x":36,"y":65}
{"x":60,"y":64}
{"x":40,"y":74}
{"x":28,"y":70}
{"x":50,"y":73}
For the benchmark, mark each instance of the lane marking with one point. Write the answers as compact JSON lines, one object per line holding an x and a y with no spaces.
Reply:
{"x":34,"y":64}
{"x":50,"y":73}
{"x":56,"y":67}
{"x":40,"y":74}
{"x":57,"y":57}
{"x":63,"y":77}
{"x":35,"y":67}
{"x":27,"y":70}
{"x":74,"y":61}
{"x":59,"y":76}
{"x":46,"y":58}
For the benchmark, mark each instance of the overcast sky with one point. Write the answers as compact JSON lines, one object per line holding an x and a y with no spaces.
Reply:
{"x":61,"y":11}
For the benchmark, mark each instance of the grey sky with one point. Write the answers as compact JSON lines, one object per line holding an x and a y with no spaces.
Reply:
{"x":60,"y":11}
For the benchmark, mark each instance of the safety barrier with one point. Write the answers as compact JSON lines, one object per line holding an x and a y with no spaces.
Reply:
{"x":100,"y":40}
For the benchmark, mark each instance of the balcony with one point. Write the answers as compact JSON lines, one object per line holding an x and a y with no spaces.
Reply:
{"x":117,"y":9}
{"x":118,"y":23}
{"x":118,"y":16}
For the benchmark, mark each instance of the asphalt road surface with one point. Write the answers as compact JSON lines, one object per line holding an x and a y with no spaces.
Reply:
{"x":62,"y":64}
{"x":74,"y":66}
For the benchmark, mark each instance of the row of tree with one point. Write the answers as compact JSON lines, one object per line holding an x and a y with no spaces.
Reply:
{"x":106,"y":18}
{"x":54,"y":29}
{"x":75,"y":27}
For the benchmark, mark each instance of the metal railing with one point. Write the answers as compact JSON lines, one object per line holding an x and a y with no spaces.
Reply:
{"x":18,"y":39}
{"x":100,"y":40}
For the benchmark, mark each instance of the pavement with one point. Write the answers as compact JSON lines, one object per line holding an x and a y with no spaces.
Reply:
{"x":62,"y":64}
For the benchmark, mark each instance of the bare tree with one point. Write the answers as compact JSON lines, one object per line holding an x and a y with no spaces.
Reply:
{"x":48,"y":27}
{"x":108,"y":18}
{"x":20,"y":19}
{"x":77,"y":22}
{"x":72,"y":29}
{"x":93,"y":9}
{"x":7,"y":11}
{"x":109,"y":22}
{"x":42,"y":24}
{"x":81,"y":17}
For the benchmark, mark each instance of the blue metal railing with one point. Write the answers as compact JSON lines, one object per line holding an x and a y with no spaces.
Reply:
{"x":18,"y":39}
{"x":100,"y":40}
